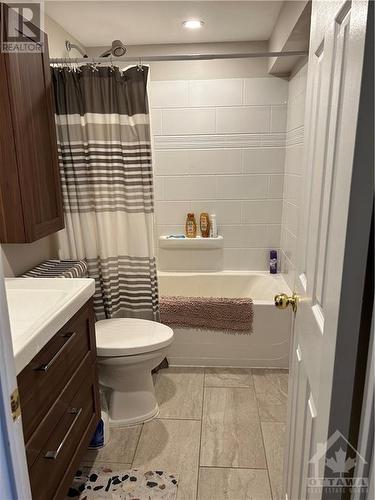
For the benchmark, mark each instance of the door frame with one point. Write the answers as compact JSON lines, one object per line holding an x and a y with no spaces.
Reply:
{"x":14,"y":477}
{"x":366,"y":433}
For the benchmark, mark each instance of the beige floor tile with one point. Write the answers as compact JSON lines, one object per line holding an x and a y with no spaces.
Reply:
{"x":233,"y":484}
{"x":271,"y":388}
{"x":172,"y":445}
{"x":274,"y":442}
{"x":273,"y":383}
{"x":121,"y":447}
{"x":112,"y":465}
{"x":231,"y":434}
{"x":269,"y":412}
{"x":228,"y":377}
{"x":179,"y":392}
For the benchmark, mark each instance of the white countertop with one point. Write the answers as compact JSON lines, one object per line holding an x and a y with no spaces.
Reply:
{"x":39,"y":308}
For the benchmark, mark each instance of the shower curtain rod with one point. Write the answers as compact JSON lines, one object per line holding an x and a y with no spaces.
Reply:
{"x":175,"y":57}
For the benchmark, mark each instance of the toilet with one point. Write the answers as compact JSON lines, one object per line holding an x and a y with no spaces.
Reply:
{"x":128,"y":350}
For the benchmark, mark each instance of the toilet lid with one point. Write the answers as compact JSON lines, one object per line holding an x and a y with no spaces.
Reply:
{"x":129,"y":336}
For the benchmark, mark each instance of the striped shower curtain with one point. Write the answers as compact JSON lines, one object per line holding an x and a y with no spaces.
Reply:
{"x":103,"y":132}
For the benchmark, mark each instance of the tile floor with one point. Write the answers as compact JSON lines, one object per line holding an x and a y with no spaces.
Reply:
{"x":222,"y":430}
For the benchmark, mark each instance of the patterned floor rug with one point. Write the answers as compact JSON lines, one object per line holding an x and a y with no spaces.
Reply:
{"x":106,"y":483}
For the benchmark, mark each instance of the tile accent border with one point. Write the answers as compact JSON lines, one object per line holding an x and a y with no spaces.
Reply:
{"x":218,"y":141}
{"x":295,"y":136}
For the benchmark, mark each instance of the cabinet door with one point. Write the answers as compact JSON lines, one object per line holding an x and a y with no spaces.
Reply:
{"x":29,"y":82}
{"x":11,"y":214}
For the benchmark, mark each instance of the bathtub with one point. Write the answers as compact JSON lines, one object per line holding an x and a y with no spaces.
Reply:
{"x":266,"y":347}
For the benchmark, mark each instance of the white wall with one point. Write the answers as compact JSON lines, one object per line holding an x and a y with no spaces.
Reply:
{"x":18,"y":258}
{"x":293,"y":172}
{"x":291,"y":32}
{"x":219,"y":147}
{"x":57,"y":36}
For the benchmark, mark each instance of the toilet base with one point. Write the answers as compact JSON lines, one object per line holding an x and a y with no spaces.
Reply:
{"x":140,"y":419}
{"x":133,"y":406}
{"x":130,"y":388}
{"x":130,"y":392}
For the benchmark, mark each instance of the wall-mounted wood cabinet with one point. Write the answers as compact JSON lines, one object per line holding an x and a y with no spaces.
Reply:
{"x":30,"y":190}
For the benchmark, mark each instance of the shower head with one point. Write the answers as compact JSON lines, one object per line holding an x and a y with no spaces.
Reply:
{"x":117,"y":49}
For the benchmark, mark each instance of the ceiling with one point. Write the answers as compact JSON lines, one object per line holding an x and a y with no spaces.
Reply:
{"x":154,"y":22}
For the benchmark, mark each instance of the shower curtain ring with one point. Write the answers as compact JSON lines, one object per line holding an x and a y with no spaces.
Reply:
{"x":93,"y":66}
{"x":70,"y":67}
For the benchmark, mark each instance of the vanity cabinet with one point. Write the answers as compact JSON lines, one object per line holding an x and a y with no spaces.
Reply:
{"x":60,"y":405}
{"x":30,"y":190}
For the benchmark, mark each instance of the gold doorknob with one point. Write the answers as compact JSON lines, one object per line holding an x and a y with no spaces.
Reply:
{"x":282,"y":301}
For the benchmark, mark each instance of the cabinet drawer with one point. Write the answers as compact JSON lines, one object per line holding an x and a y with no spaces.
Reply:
{"x":41,"y":435}
{"x":42,"y":381}
{"x":58,"y":452}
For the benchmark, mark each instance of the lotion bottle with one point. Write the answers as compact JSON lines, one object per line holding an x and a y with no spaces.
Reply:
{"x":213,"y":226}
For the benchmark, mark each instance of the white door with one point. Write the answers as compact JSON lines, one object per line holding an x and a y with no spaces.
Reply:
{"x":333,"y":89}
{"x":14,"y":478}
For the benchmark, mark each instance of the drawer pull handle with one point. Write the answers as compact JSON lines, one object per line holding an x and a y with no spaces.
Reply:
{"x":46,"y":366}
{"x":54,"y":454}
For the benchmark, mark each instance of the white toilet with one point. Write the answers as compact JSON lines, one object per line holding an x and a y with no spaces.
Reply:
{"x":128,"y":349}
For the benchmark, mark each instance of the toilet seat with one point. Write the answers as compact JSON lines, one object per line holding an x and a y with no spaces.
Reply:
{"x":129,"y":336}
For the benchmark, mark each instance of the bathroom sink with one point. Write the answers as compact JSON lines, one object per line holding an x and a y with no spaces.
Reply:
{"x":25,"y":308}
{"x":38,"y":308}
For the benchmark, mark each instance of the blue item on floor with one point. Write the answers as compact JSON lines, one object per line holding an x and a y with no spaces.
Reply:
{"x":97,"y":440}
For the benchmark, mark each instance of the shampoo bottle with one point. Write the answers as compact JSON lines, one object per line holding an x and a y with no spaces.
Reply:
{"x":190,"y":226}
{"x":204,"y":222}
{"x":273,"y":261}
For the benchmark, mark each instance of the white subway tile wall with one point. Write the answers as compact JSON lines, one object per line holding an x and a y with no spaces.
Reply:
{"x":276,"y":186}
{"x":220,"y":148}
{"x":211,"y":93}
{"x":169,"y":94}
{"x":243,"y":120}
{"x":278,"y":118}
{"x":293,"y":173}
{"x":185,"y":121}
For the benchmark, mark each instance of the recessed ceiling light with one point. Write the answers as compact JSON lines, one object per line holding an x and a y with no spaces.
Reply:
{"x":193,"y":24}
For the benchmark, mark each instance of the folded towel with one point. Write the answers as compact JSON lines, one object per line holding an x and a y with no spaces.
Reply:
{"x":208,"y":313}
{"x":58,"y":269}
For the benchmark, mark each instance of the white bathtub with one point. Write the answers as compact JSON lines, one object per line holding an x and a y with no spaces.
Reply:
{"x":266,"y":347}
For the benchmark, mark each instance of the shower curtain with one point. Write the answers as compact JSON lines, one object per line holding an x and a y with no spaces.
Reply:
{"x":104,"y":142}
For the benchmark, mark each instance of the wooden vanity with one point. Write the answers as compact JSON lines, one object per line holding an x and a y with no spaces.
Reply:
{"x":60,"y":405}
